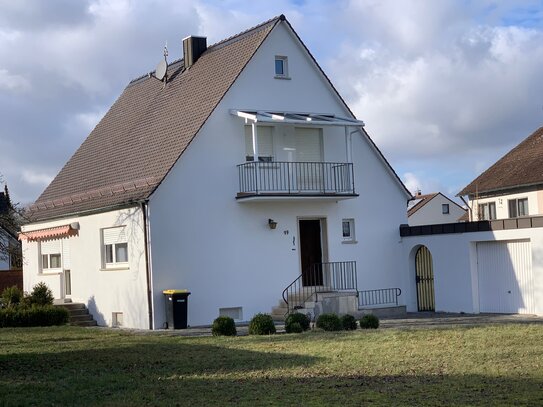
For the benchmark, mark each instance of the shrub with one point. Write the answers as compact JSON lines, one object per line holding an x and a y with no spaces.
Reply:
{"x":329,"y":322}
{"x":295,"y":328}
{"x":261,"y":324}
{"x":348,"y":322}
{"x":223,"y":326}
{"x":11,"y":296}
{"x":369,"y":321}
{"x":41,"y":295}
{"x":296,"y":318}
{"x":35,"y":316}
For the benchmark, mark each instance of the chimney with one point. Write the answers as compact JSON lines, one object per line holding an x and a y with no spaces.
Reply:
{"x":193,"y":48}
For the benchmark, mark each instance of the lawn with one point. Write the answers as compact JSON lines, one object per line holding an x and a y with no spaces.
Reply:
{"x":491,"y":365}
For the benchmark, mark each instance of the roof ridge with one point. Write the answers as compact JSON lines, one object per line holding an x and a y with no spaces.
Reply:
{"x":243,"y":33}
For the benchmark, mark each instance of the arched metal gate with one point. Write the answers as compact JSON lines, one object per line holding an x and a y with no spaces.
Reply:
{"x":425,"y":280}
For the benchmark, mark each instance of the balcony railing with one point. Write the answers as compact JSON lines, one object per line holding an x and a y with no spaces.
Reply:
{"x":295,"y":178}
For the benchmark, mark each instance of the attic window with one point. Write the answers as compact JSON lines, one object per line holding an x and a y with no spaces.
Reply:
{"x":281,"y":67}
{"x":445,"y":209}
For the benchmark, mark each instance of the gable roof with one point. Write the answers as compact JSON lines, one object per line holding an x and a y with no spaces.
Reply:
{"x":146,"y":130}
{"x":421,"y":200}
{"x":144,"y":133}
{"x":520,"y":167}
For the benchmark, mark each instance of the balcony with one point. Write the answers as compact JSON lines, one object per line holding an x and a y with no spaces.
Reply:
{"x":287,"y":180}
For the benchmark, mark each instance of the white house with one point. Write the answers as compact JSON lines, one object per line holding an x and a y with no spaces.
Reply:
{"x":434,"y":208}
{"x":232,"y":177}
{"x":512,"y":187}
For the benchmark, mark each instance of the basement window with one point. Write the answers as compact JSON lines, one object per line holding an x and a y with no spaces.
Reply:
{"x":281,"y":67}
{"x":233,"y":312}
{"x":117,"y":319}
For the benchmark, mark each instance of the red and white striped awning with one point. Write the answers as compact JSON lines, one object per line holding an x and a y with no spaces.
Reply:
{"x":49,"y":233}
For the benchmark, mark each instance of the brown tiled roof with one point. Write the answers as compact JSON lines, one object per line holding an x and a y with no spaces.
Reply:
{"x":522,"y":166}
{"x":146,"y":130}
{"x":423,"y":200}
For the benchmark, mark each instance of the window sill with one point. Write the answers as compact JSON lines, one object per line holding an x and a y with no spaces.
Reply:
{"x":350,"y":242}
{"x":51,"y":272}
{"x":288,"y":78}
{"x":120,"y":268}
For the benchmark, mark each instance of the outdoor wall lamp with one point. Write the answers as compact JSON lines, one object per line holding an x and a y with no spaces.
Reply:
{"x":272,"y":224}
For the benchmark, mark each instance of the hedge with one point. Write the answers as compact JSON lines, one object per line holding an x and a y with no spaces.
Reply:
{"x":33,"y":316}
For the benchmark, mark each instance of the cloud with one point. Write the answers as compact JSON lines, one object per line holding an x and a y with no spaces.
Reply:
{"x":35,"y":178}
{"x":12,"y":82}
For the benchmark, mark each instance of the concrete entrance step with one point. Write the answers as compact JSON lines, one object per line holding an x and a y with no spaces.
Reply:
{"x":79,"y":314}
{"x":384,"y":312}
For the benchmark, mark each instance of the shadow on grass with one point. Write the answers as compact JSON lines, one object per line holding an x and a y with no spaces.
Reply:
{"x":125,"y":372}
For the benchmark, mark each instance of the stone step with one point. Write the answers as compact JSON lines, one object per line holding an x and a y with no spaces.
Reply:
{"x":72,"y":306}
{"x":77,"y":318}
{"x":84,"y":323}
{"x":79,"y":314}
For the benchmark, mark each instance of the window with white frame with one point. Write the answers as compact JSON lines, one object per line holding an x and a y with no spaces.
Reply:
{"x":51,"y":255}
{"x":347,"y":229}
{"x":264,"y":140}
{"x":518,"y":207}
{"x":281,"y":66}
{"x":115,"y":247}
{"x":487,"y":211}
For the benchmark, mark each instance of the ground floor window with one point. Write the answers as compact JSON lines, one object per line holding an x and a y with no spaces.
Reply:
{"x":115,"y":247}
{"x":51,"y":257}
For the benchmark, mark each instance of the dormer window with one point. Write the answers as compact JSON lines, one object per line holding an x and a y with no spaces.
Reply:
{"x":281,"y":67}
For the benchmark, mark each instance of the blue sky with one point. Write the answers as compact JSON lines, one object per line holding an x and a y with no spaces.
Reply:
{"x":445,"y":87}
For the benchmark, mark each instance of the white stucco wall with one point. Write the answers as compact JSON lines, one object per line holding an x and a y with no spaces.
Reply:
{"x":432,"y":214}
{"x":454,"y":259}
{"x":502,"y":207}
{"x":222,"y":250}
{"x":103,"y":291}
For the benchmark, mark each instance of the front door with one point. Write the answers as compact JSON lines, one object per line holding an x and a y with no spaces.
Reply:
{"x":311,"y":252}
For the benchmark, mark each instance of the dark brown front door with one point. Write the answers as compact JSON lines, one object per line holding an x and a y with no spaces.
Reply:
{"x":311,"y":251}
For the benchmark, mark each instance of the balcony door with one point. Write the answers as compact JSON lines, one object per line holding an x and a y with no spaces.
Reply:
{"x":309,"y":153}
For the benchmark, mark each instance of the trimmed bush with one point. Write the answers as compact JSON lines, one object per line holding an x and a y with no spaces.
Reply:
{"x":11,"y":296}
{"x":261,"y":324}
{"x":329,"y":322}
{"x":34,"y":316}
{"x":296,"y":318}
{"x":348,"y":322}
{"x":295,"y":328}
{"x":369,"y":321}
{"x":41,"y":295}
{"x":223,"y":326}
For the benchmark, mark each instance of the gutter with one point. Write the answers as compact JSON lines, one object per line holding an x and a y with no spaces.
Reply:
{"x":144,"y":209}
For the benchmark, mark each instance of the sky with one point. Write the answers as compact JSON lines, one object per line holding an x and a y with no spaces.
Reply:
{"x":445,"y":87}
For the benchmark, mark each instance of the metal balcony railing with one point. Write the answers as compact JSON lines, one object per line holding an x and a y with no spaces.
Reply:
{"x":305,"y":178}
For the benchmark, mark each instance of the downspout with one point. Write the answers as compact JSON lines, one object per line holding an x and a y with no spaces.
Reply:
{"x":144,"y":208}
{"x":469,"y":208}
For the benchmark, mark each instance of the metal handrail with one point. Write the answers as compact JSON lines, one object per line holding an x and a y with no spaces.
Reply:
{"x":320,"y":277}
{"x":296,"y":177}
{"x":382,"y":296}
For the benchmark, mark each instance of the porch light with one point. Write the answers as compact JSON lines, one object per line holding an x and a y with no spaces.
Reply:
{"x":272,"y":224}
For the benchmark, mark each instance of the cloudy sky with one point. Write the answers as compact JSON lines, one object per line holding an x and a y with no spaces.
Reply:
{"x":445,"y":87}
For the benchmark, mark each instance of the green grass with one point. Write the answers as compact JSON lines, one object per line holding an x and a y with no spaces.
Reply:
{"x":491,"y":365}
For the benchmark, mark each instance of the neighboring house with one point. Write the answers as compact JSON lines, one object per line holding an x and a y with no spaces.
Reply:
{"x":431,"y":209}
{"x":513,"y":186}
{"x":233,"y":177}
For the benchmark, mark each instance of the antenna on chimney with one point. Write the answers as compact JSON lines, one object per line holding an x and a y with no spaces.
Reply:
{"x":162,"y":67}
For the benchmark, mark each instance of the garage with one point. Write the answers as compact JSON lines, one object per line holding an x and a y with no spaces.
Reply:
{"x":505,"y":280}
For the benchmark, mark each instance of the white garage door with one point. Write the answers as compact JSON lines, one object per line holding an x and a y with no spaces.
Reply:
{"x":505,"y":277}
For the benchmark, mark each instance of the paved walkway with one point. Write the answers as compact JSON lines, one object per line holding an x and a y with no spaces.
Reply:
{"x":410,"y":320}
